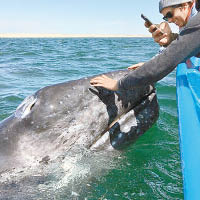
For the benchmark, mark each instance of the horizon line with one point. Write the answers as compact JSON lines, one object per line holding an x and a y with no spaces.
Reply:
{"x":49,"y":35}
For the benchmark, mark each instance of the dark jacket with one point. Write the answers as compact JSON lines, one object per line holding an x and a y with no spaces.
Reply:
{"x":186,"y":46}
{"x":197,"y":4}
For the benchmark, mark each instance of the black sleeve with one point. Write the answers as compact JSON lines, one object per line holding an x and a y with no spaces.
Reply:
{"x":197,"y":4}
{"x":187,"y":45}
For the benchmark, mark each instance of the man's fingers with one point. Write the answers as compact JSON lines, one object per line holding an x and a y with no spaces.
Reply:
{"x":153,"y":28}
{"x":134,"y":66}
{"x":105,"y":82}
{"x":159,"y":38}
{"x":104,"y":76}
{"x":163,"y":25}
{"x":95,"y":82}
{"x":146,"y":24}
{"x":163,"y":36}
{"x":98,"y":80}
{"x":157,"y":33}
{"x":97,"y":85}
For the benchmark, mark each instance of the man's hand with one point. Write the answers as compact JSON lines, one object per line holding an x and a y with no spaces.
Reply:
{"x":161,"y":33}
{"x":133,"y":67}
{"x":105,"y":81}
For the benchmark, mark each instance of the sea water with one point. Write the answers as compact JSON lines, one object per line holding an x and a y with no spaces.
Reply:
{"x":150,"y":168}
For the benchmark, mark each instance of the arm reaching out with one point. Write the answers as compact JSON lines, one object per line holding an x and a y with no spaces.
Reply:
{"x":178,"y":51}
{"x":109,"y":83}
{"x":158,"y":67}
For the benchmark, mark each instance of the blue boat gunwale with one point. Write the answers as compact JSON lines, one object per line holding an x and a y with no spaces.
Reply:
{"x":189,"y":127}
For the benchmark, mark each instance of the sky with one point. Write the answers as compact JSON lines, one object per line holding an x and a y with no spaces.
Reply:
{"x":77,"y":16}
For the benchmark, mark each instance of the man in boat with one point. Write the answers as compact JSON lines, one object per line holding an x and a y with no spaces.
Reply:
{"x":178,"y":12}
{"x":186,"y":45}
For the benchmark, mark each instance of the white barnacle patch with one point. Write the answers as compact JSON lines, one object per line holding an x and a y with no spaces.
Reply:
{"x":138,"y":121}
{"x":120,"y":135}
{"x":113,"y":143}
{"x":138,"y":131}
{"x":125,"y":129}
{"x":75,"y":194}
{"x":25,"y":107}
{"x":102,"y":141}
{"x":146,"y":112}
{"x":44,"y":126}
{"x":51,"y":107}
{"x":141,"y":116}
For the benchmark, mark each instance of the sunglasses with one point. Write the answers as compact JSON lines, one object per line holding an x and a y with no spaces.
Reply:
{"x":170,"y":14}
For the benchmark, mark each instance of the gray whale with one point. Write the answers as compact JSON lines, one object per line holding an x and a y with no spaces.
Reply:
{"x":73,"y":113}
{"x":64,"y":118}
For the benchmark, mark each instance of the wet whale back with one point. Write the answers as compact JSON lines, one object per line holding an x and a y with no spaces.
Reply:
{"x":58,"y":117}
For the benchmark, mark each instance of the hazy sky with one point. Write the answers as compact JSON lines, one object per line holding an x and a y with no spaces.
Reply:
{"x":77,"y":16}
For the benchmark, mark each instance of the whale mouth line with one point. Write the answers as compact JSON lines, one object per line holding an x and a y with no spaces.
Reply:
{"x":138,"y":107}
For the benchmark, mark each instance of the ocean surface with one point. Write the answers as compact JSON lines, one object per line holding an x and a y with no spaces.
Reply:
{"x":148,"y":169}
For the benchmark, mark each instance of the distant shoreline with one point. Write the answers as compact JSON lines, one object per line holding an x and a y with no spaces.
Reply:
{"x":25,"y":35}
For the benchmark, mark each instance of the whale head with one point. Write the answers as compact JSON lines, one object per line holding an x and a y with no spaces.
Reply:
{"x":71,"y":115}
